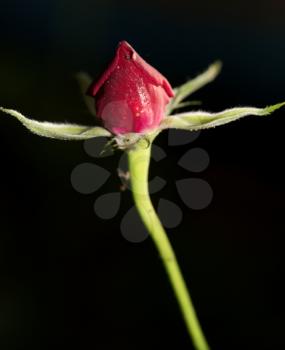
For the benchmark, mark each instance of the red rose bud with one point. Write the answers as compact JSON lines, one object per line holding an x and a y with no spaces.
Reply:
{"x":131,"y":96}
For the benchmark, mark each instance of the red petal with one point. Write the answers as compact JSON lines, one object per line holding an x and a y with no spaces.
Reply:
{"x":153,"y":75}
{"x":147,"y":70}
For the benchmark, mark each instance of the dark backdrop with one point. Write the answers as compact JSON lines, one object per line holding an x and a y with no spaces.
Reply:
{"x":68,"y":278}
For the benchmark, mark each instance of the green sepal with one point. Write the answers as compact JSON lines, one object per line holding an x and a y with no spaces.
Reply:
{"x":193,"y":85}
{"x":84,"y":81}
{"x":58,"y":131}
{"x":204,"y":120}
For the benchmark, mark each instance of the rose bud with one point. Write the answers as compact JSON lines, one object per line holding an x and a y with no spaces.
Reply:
{"x":130,"y":96}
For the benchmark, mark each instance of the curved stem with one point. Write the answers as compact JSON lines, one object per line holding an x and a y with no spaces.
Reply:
{"x":138,"y":166}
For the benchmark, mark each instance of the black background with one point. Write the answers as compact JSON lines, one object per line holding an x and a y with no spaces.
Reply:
{"x":68,"y":278}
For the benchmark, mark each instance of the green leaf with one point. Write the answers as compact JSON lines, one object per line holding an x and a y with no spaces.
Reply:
{"x":84,"y":81}
{"x":204,"y":120}
{"x":188,"y":103}
{"x":58,"y":131}
{"x":193,"y":85}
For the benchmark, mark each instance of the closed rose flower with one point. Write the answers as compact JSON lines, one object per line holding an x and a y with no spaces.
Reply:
{"x":130,"y":96}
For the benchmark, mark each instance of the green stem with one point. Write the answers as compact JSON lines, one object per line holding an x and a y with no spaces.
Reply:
{"x":139,"y":159}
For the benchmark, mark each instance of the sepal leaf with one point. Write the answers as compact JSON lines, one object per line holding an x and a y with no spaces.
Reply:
{"x":84,"y":81}
{"x":193,"y":85}
{"x":204,"y":120}
{"x":60,"y":131}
